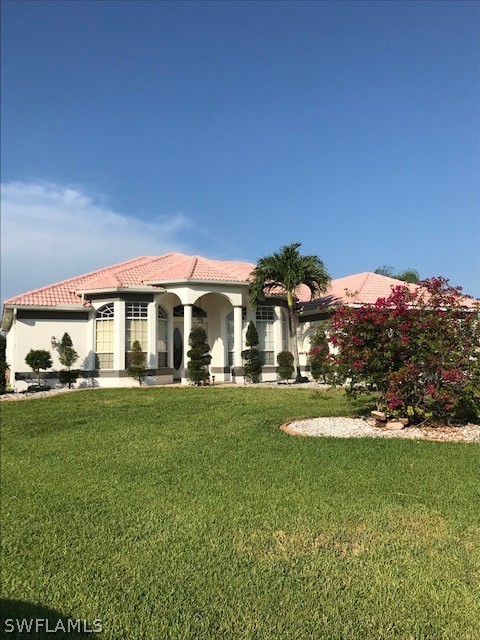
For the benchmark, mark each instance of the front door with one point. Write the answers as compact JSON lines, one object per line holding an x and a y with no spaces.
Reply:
{"x":177,"y":353}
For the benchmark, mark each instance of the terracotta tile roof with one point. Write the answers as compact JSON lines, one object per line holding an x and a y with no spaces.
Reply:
{"x":137,"y":272}
{"x":362,"y":288}
{"x":64,"y":292}
{"x":366,"y":288}
{"x":140,"y":272}
{"x":199,"y":268}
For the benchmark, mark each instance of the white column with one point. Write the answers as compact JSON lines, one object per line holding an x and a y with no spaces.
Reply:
{"x":187,"y":328}
{"x":89,"y":362}
{"x":152,"y":354}
{"x":119,"y":335}
{"x":237,"y":336}
{"x":277,"y":332}
{"x":170,"y":329}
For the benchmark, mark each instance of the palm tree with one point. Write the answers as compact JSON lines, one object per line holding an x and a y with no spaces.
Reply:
{"x":407,"y":275}
{"x":282,"y":273}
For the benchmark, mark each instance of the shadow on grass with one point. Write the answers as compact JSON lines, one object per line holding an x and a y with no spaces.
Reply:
{"x":27,"y":620}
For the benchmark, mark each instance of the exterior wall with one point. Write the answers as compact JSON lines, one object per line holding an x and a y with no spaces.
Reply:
{"x":26,"y":334}
{"x":35,"y":331}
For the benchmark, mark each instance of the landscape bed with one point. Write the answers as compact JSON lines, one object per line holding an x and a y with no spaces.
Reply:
{"x":187,"y":513}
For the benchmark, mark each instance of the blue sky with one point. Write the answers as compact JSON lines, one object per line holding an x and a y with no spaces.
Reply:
{"x":230,"y":128}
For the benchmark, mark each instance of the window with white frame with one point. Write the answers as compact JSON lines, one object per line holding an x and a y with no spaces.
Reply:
{"x":136,"y":326}
{"x":162,"y":337}
{"x":104,"y":337}
{"x":264,"y":322}
{"x":230,"y":335}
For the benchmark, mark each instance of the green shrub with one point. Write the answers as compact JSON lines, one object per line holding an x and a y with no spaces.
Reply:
{"x":251,"y":356}
{"x":67,"y":356}
{"x":318,"y":355}
{"x":38,"y":359}
{"x":136,"y":367}
{"x":199,"y":357}
{"x":285,"y":365}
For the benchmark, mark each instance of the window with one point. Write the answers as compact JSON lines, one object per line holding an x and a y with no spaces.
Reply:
{"x":265,"y":319}
{"x":162,"y":337}
{"x":104,"y":338}
{"x":179,"y":312}
{"x":136,"y":326}
{"x":230,"y":335}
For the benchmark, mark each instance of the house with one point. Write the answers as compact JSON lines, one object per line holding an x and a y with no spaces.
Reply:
{"x":156,"y":300}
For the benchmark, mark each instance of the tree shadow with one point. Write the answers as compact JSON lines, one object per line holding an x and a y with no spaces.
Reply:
{"x":21,"y":619}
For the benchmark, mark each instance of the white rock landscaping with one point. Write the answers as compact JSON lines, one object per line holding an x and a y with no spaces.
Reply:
{"x":364,"y":428}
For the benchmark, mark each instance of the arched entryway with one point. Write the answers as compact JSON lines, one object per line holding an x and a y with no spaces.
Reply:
{"x":199,"y":317}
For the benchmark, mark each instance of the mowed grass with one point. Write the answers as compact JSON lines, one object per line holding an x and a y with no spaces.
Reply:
{"x":187,"y":513}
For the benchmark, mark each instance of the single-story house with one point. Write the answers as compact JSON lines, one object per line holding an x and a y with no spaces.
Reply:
{"x":156,"y":300}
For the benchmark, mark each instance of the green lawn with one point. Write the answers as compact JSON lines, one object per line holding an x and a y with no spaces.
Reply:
{"x":186,"y":513}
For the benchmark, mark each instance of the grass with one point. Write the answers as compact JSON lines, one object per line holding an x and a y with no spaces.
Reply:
{"x":186,"y":513}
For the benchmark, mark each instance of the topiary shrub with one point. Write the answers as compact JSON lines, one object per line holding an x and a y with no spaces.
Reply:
{"x":285,"y":364}
{"x":38,"y":359}
{"x":136,"y":367}
{"x":199,"y":357}
{"x":67,"y":356}
{"x":251,"y":356}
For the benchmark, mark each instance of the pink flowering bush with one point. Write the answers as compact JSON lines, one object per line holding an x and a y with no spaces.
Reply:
{"x":318,"y":355}
{"x":419,"y":348}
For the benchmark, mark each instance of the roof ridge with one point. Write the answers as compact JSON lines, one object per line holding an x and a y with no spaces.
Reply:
{"x":73,"y":278}
{"x":367,"y":274}
{"x":192,"y":266}
{"x":152,"y":259}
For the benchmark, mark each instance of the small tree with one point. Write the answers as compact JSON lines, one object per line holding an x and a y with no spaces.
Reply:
{"x":136,"y":367}
{"x":38,"y":359}
{"x":67,"y":356}
{"x":199,"y":356}
{"x":285,"y":364}
{"x":419,"y":348}
{"x":3,"y":364}
{"x":318,"y":354}
{"x":251,"y":356}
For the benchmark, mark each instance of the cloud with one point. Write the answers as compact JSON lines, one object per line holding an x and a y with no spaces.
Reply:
{"x":52,"y":232}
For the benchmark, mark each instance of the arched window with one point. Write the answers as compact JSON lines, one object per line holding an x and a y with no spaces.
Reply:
{"x":264,"y":322}
{"x":179,"y":312}
{"x":199,"y":316}
{"x":162,"y":337}
{"x":136,"y":326}
{"x":230,"y":334}
{"x":104,"y":338}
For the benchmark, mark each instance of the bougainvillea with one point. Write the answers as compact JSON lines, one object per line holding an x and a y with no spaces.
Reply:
{"x":419,"y":348}
{"x":318,"y":354}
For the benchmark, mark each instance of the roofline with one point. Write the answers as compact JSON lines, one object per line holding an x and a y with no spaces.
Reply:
{"x":240,"y":283}
{"x":48,"y":307}
{"x":84,"y":292}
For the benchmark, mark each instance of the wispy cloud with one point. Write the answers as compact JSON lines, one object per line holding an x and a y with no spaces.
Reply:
{"x":51,"y":232}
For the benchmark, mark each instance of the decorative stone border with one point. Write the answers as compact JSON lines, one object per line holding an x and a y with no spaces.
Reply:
{"x":345,"y":427}
{"x":291,"y":432}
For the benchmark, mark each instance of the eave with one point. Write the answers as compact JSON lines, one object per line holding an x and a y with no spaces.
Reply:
{"x":190,"y":281}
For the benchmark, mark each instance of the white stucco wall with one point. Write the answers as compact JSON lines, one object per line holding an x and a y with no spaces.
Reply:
{"x":217,"y":302}
{"x":27,"y":334}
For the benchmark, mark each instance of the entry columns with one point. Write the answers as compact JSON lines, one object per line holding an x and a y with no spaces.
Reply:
{"x":187,"y":328}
